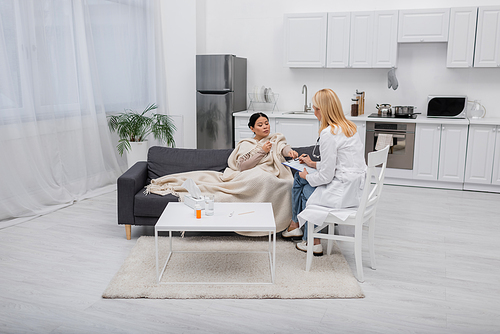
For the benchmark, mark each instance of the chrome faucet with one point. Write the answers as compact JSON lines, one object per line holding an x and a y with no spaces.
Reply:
{"x":306,"y":108}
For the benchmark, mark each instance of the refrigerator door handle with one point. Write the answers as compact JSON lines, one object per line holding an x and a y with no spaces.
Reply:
{"x":215,"y":92}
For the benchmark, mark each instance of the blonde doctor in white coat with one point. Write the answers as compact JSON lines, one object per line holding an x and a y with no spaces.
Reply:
{"x":340,"y":175}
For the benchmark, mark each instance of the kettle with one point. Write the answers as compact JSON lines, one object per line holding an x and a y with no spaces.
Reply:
{"x":477,"y":110}
{"x":384,"y":109}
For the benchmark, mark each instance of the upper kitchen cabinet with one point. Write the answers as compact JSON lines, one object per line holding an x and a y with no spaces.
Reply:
{"x":461,"y":37}
{"x":305,"y":39}
{"x":423,"y":25}
{"x":361,"y":40}
{"x":487,"y":53}
{"x":385,"y":39}
{"x":339,"y":26}
{"x":372,"y":42}
{"x":349,"y":39}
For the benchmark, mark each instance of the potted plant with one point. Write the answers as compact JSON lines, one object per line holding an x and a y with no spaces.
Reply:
{"x":133,"y":128}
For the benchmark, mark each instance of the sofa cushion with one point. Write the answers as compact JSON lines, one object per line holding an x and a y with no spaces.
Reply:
{"x":151,"y":205}
{"x":166,"y":160}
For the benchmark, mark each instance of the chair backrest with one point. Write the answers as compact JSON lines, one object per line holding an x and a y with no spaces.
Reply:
{"x":371,"y":194}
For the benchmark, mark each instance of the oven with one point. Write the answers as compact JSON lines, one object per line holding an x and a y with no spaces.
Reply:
{"x":403,"y":140}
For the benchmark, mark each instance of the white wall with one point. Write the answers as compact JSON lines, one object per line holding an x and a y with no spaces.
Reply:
{"x":254,"y":29}
{"x":179,"y":36}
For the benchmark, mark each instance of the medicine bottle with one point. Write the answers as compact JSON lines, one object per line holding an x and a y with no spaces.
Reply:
{"x":197,"y":211}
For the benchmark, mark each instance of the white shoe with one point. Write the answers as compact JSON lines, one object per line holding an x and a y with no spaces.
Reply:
{"x":317,"y":249}
{"x":295,"y":233}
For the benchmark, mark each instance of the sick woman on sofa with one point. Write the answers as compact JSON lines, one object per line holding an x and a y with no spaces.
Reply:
{"x":339,"y":177}
{"x":255,"y":173}
{"x":251,"y":152}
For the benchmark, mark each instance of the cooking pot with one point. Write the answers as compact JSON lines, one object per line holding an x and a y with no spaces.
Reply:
{"x":404,"y":111}
{"x":384,"y":109}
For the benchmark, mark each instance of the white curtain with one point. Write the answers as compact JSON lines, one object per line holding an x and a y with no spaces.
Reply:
{"x":63,"y":65}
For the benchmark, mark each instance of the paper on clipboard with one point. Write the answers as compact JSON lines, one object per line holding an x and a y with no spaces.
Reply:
{"x":295,"y":164}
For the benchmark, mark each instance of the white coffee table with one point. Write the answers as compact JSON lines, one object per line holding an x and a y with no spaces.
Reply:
{"x":228,"y":217}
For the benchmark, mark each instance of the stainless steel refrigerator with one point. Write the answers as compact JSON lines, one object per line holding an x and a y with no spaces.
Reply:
{"x":221,"y":85}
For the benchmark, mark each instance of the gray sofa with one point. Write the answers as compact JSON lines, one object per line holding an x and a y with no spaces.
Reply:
{"x":136,"y":208}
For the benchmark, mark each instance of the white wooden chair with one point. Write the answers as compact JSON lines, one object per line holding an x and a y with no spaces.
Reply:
{"x":365,"y":213}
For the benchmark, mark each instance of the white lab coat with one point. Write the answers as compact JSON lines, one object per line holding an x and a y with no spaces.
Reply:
{"x":340,"y":175}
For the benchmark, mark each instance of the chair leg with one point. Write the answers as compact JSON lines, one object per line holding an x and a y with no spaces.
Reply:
{"x":128,"y":231}
{"x":310,"y":245}
{"x":358,"y":237}
{"x":329,"y":247}
{"x":371,"y":242}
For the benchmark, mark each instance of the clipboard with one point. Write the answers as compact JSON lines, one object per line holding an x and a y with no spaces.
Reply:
{"x":295,"y":164}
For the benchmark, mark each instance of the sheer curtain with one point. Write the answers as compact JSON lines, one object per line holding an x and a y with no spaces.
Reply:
{"x":63,"y":65}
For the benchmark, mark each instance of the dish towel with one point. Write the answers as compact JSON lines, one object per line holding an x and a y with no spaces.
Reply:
{"x":383,"y":140}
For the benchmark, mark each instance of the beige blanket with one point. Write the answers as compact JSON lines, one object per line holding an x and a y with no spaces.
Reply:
{"x":269,"y":181}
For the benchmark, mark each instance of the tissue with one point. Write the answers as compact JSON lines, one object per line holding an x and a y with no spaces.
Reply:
{"x":194,"y":197}
{"x":192,"y":189}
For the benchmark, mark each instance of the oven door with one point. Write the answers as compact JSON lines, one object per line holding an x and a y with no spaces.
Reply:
{"x":403,"y":139}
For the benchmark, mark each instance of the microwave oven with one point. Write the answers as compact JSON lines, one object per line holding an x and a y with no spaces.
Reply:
{"x":447,"y":106}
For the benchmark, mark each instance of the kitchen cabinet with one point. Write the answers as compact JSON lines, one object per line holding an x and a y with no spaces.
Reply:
{"x":361,"y":125}
{"x":341,"y":40}
{"x":241,"y":129}
{"x":453,"y":150}
{"x":337,"y":53}
{"x":385,"y":39}
{"x":440,"y":151}
{"x":480,"y":153}
{"x":461,"y":38}
{"x":426,"y":151}
{"x":298,"y":131}
{"x":495,"y":179}
{"x":423,"y":25}
{"x":305,"y":39}
{"x":373,"y":39}
{"x":483,"y":157}
{"x":487,"y":51}
{"x":361,"y":39}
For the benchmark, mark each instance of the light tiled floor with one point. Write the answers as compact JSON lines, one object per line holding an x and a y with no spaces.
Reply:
{"x":438,"y":258}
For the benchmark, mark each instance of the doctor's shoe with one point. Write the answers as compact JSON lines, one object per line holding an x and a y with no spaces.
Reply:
{"x":295,"y":233}
{"x":317,"y":249}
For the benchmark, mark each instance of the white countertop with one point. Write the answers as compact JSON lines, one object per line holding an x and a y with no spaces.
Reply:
{"x":420,"y":118}
{"x":275,"y":114}
{"x":485,"y":121}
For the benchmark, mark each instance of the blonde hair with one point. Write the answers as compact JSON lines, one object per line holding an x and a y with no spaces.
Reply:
{"x":332,"y":115}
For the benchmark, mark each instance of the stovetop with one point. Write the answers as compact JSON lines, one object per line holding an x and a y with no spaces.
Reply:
{"x":376,"y":115}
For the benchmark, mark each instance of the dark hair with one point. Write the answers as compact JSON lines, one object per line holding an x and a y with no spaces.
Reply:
{"x":255,"y":117}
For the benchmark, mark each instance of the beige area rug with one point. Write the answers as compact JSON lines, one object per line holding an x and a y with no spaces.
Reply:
{"x":330,"y":276}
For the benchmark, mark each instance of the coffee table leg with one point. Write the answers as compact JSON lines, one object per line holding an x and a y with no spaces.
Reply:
{"x":170,"y":239}
{"x":274,"y":255}
{"x":157,"y":263}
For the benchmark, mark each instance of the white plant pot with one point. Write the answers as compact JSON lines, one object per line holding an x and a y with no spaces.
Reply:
{"x":138,"y":152}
